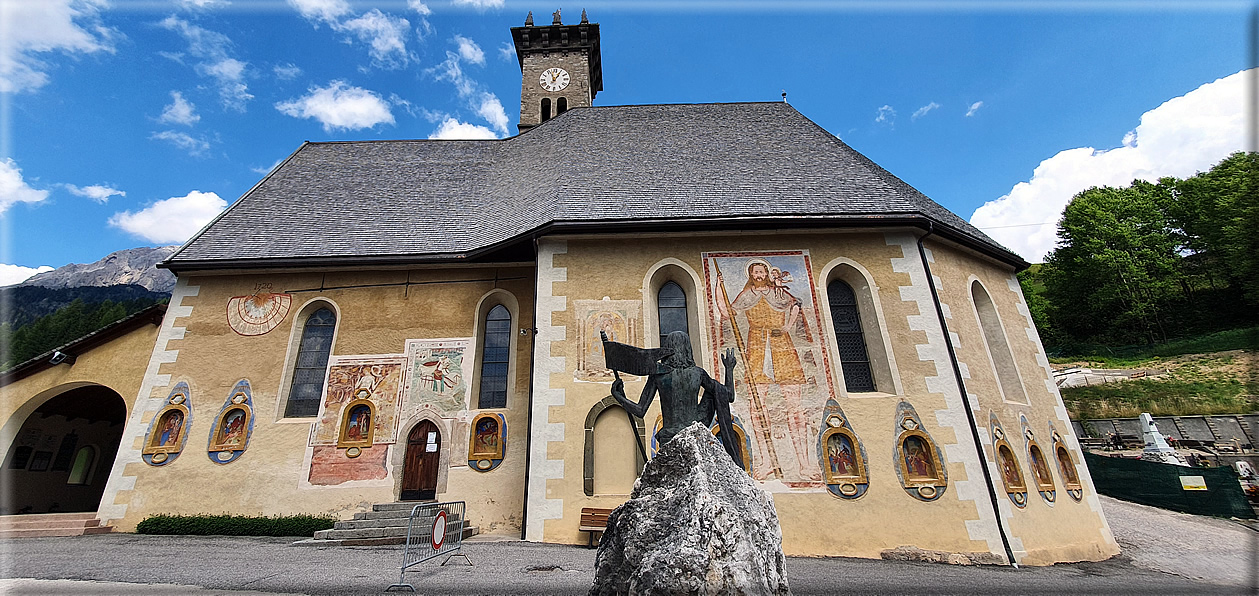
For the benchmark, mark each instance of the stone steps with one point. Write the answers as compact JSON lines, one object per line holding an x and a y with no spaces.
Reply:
{"x":386,"y":523}
{"x":51,"y":524}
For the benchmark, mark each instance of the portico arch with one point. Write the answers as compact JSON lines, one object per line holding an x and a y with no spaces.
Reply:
{"x":42,"y":439}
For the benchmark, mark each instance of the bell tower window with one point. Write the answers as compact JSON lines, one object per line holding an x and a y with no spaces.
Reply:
{"x":555,"y":59}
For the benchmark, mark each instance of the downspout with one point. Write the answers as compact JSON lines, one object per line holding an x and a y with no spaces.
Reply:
{"x":533,"y":340}
{"x":961,"y":386}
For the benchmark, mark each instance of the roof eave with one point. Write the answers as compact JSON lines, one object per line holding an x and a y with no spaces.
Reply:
{"x":914,"y":220}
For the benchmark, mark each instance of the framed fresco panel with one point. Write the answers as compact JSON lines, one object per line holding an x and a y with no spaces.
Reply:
{"x":1007,"y":464}
{"x":376,"y":379}
{"x":233,"y":426}
{"x":487,"y":441}
{"x":919,"y":463}
{"x":168,"y":430}
{"x":439,"y":374}
{"x":841,"y":455}
{"x":619,"y":319}
{"x":763,"y":305}
{"x":1066,"y":465}
{"x":1037,"y":462}
{"x":357,"y":425}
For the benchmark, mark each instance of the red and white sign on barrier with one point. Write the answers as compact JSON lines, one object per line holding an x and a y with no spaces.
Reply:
{"x":435,"y":529}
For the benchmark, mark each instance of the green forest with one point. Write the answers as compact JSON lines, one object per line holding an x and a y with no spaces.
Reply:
{"x":67,"y":324}
{"x":1152,"y":263}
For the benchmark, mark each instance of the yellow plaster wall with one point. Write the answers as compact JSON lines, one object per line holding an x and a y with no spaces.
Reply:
{"x":118,"y":365}
{"x":816,"y":523}
{"x":1064,"y":530}
{"x":377,"y":312}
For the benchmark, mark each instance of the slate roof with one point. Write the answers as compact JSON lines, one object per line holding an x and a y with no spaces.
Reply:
{"x":649,"y":167}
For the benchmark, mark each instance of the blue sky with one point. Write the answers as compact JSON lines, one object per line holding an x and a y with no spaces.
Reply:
{"x":129,"y":123}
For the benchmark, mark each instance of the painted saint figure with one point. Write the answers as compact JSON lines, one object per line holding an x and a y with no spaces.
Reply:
{"x":1038,"y":465}
{"x":170,"y":430}
{"x":917,"y":460}
{"x":840,"y":456}
{"x":360,"y":422}
{"x":1068,"y":470}
{"x":233,"y":425}
{"x":486,"y":436}
{"x":774,"y":319}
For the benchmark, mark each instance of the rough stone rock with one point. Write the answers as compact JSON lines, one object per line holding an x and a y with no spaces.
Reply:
{"x":695,"y":524}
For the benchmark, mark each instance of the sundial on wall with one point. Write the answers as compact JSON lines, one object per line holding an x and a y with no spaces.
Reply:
{"x":259,"y":312}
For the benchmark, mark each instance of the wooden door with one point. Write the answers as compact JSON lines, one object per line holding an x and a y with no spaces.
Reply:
{"x":419,"y":472}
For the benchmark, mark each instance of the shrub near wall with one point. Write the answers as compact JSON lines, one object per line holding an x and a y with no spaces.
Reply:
{"x":234,"y":525}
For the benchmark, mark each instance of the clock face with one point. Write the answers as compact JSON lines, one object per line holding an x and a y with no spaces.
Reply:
{"x":554,"y":79}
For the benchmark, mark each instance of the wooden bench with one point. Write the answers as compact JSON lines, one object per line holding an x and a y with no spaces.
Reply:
{"x":1092,"y":443}
{"x":595,"y":521}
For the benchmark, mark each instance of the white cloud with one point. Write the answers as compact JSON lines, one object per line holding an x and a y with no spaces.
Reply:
{"x":506,"y":51}
{"x":35,"y":27}
{"x":1184,"y":135}
{"x":267,"y":169}
{"x":974,"y":108}
{"x":340,"y":106}
{"x":180,"y":111}
{"x":492,"y":111}
{"x":13,"y":189}
{"x":96,"y":192}
{"x":920,"y":112}
{"x":481,"y":5}
{"x":16,"y":274}
{"x":172,"y":220}
{"x":419,"y":7}
{"x":385,"y":34}
{"x":328,"y":11}
{"x":192,"y":145}
{"x":454,"y":129}
{"x":287,"y":72}
{"x":885,"y":114}
{"x":485,"y":104}
{"x":203,"y":4}
{"x":469,"y":51}
{"x":216,"y":62}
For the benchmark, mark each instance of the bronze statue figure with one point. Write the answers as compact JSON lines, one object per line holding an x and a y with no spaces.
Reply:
{"x":671,"y":372}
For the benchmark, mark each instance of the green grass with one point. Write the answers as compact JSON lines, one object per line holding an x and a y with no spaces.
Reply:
{"x":1137,"y":356}
{"x":1171,"y":397}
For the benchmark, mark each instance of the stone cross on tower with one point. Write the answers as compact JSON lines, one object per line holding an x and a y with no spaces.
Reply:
{"x":560,"y":68}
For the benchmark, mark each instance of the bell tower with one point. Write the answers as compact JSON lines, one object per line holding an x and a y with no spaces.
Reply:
{"x":560,"y":68}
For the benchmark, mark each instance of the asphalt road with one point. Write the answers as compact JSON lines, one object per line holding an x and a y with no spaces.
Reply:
{"x":205,"y":565}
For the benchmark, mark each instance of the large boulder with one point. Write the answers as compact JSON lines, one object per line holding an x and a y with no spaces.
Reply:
{"x":695,"y":524}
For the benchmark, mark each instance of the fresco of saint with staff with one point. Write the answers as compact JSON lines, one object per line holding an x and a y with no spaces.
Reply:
{"x":763,"y":306}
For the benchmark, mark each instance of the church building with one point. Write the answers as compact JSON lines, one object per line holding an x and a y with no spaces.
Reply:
{"x":377,"y":321}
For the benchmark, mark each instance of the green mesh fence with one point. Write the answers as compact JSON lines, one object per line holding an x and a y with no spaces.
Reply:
{"x":1159,"y":485}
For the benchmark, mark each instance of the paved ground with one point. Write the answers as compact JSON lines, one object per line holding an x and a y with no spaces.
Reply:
{"x":1156,"y":542}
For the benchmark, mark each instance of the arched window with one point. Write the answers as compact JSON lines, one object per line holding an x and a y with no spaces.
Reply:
{"x":671,"y":310}
{"x":312,"y":364}
{"x":998,"y":348}
{"x":561,"y":106}
{"x":81,"y":471}
{"x":495,"y":351}
{"x":850,"y":340}
{"x":546,"y":109}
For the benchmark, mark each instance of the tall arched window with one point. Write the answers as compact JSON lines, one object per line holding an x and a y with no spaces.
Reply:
{"x":998,"y":348}
{"x":495,"y":352}
{"x":546,"y":109}
{"x":853,"y":357}
{"x":561,"y":106}
{"x":81,"y":471}
{"x":312,"y":364}
{"x":671,"y":310}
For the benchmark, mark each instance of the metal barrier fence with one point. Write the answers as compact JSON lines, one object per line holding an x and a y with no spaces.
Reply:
{"x":434,"y":529}
{"x":1204,"y":491}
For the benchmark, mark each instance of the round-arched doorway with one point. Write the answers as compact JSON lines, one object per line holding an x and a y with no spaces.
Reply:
{"x":60,"y":458}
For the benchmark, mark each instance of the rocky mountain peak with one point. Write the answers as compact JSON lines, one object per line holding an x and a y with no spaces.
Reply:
{"x":134,"y":266}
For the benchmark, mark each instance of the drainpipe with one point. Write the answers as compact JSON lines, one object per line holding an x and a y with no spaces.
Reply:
{"x":961,"y":386}
{"x":533,"y":340}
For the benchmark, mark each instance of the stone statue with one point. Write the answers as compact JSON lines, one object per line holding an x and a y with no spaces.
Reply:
{"x":671,"y":372}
